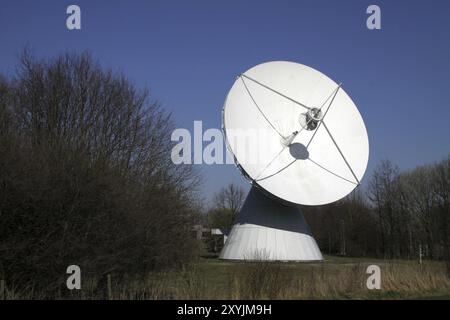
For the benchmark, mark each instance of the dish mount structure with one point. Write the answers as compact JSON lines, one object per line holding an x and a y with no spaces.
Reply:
{"x":299,"y":139}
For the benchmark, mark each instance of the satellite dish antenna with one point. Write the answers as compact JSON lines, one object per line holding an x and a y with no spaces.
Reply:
{"x":299,"y":139}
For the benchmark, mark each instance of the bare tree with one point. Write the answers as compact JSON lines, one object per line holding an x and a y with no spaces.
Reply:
{"x":227,"y":202}
{"x":383,"y":190}
{"x":441,"y":190}
{"x":230,"y":197}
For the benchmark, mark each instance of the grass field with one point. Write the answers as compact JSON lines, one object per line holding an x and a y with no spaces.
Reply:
{"x":335,"y":278}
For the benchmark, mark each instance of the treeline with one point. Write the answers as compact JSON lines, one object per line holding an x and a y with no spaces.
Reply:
{"x":86,"y":176}
{"x":400,"y":215}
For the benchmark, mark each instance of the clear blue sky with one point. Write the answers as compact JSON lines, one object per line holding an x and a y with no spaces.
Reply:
{"x":189,"y":52}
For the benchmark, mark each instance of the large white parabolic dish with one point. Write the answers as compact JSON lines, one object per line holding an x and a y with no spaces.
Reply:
{"x":266,"y":105}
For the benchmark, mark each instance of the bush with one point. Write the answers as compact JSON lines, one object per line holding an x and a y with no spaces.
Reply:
{"x":86,"y":176}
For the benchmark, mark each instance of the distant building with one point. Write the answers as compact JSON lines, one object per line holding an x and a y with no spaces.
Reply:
{"x":200,"y":232}
{"x":221,"y":233}
{"x":214,"y":238}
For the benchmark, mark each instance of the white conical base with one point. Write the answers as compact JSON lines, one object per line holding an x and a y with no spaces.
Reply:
{"x":265,"y":229}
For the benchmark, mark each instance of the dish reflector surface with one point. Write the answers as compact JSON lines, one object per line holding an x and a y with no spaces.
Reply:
{"x":295,"y":133}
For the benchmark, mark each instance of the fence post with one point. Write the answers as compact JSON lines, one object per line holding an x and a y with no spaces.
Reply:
{"x":2,"y":290}
{"x":108,"y":285}
{"x":420,"y":254}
